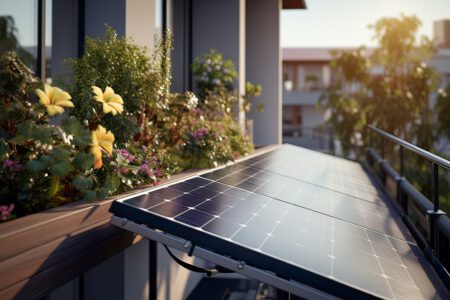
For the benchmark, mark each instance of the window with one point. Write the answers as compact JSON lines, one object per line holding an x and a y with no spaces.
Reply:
{"x":19,"y":32}
{"x":18,"y":26}
{"x":312,"y":77}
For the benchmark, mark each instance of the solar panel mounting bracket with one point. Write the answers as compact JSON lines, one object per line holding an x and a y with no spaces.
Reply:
{"x":238,"y":266}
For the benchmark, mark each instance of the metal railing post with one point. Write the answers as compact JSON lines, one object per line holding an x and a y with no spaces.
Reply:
{"x":435,"y":186}
{"x":401,"y":197}
{"x":435,"y":212}
{"x":383,"y":173}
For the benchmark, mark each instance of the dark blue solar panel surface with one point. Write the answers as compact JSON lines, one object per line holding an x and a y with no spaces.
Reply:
{"x":314,"y":211}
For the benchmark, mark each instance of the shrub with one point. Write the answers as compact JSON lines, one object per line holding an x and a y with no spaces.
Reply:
{"x":41,"y":164}
{"x":123,"y":127}
{"x":142,"y":82}
{"x":207,"y":135}
{"x":44,"y":165}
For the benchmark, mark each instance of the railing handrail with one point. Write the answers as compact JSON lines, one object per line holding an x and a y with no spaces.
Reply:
{"x":413,"y":148}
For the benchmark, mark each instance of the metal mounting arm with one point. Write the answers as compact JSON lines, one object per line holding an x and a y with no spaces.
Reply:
{"x":290,"y":286}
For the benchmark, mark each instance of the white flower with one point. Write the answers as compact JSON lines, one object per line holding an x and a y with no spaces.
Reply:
{"x":442,"y":92}
{"x":192,"y":100}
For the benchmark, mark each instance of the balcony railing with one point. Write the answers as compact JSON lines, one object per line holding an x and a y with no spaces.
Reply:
{"x":316,"y":138}
{"x":427,"y":222}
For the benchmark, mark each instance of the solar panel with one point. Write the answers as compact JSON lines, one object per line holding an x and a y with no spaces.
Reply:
{"x":305,"y":216}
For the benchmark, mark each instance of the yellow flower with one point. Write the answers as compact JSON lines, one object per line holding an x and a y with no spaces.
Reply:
{"x":54,"y":99}
{"x":112,"y":103}
{"x":101,"y":141}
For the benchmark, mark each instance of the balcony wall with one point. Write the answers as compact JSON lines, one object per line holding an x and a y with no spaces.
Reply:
{"x":301,"y":97}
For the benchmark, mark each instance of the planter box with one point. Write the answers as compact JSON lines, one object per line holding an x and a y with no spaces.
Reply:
{"x":41,"y":252}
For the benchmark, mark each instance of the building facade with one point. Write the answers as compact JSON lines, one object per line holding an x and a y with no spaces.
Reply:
{"x":245,"y":31}
{"x":306,"y":75}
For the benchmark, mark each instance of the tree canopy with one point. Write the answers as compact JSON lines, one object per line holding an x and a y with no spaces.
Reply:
{"x":389,"y":87}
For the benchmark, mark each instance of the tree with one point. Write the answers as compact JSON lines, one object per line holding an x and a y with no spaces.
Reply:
{"x":9,"y":41}
{"x":443,"y":112}
{"x":390,"y":88}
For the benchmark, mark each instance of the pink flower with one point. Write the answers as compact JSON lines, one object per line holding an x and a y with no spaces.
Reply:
{"x":124,"y":171}
{"x":12,"y":165}
{"x":146,"y":170}
{"x":126,"y":155}
{"x":5,"y":211}
{"x":200,"y":133}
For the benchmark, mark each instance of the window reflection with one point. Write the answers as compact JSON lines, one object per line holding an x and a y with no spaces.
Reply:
{"x":18,"y":29}
{"x":48,"y":40}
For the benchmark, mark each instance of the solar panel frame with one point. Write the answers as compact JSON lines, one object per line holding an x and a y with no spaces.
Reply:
{"x":230,"y":246}
{"x":249,"y":256}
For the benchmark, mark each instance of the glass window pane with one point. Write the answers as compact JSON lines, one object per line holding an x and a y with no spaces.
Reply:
{"x":18,"y":29}
{"x":48,"y":40}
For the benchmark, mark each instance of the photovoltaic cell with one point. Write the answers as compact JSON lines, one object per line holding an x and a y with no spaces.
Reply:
{"x":300,"y":214}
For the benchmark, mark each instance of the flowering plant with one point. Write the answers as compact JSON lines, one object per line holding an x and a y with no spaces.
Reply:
{"x":141,"y":80}
{"x":213,"y":72}
{"x":43,"y":165}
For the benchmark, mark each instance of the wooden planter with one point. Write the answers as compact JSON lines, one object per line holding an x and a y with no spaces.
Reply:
{"x":40,"y":252}
{"x":43,"y":251}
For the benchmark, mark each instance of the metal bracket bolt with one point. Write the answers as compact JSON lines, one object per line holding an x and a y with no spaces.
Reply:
{"x":434,"y":213}
{"x":187,"y":245}
{"x":124,"y":221}
{"x":241,"y":265}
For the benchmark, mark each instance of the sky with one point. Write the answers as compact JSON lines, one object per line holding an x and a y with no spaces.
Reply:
{"x":343,"y":23}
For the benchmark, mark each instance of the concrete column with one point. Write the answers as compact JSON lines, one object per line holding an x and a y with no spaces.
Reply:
{"x":132,"y":18}
{"x":326,"y":76}
{"x":136,"y":270}
{"x":263,"y":66}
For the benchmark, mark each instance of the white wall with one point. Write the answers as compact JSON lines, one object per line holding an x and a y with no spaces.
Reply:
{"x":140,"y":22}
{"x":311,"y":116}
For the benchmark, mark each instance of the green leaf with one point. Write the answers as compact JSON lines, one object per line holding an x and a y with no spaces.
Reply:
{"x":81,"y":136}
{"x":89,"y":196}
{"x":4,"y":149}
{"x":102,"y":193}
{"x":29,"y":130}
{"x":53,"y":186}
{"x":112,"y":183}
{"x":60,"y":162}
{"x":35,"y":166}
{"x":82,"y":183}
{"x":84,"y":161}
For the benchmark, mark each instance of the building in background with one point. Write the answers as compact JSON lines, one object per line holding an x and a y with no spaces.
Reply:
{"x":306,"y":75}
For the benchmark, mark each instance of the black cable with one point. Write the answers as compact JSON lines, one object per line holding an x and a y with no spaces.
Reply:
{"x":197,"y":269}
